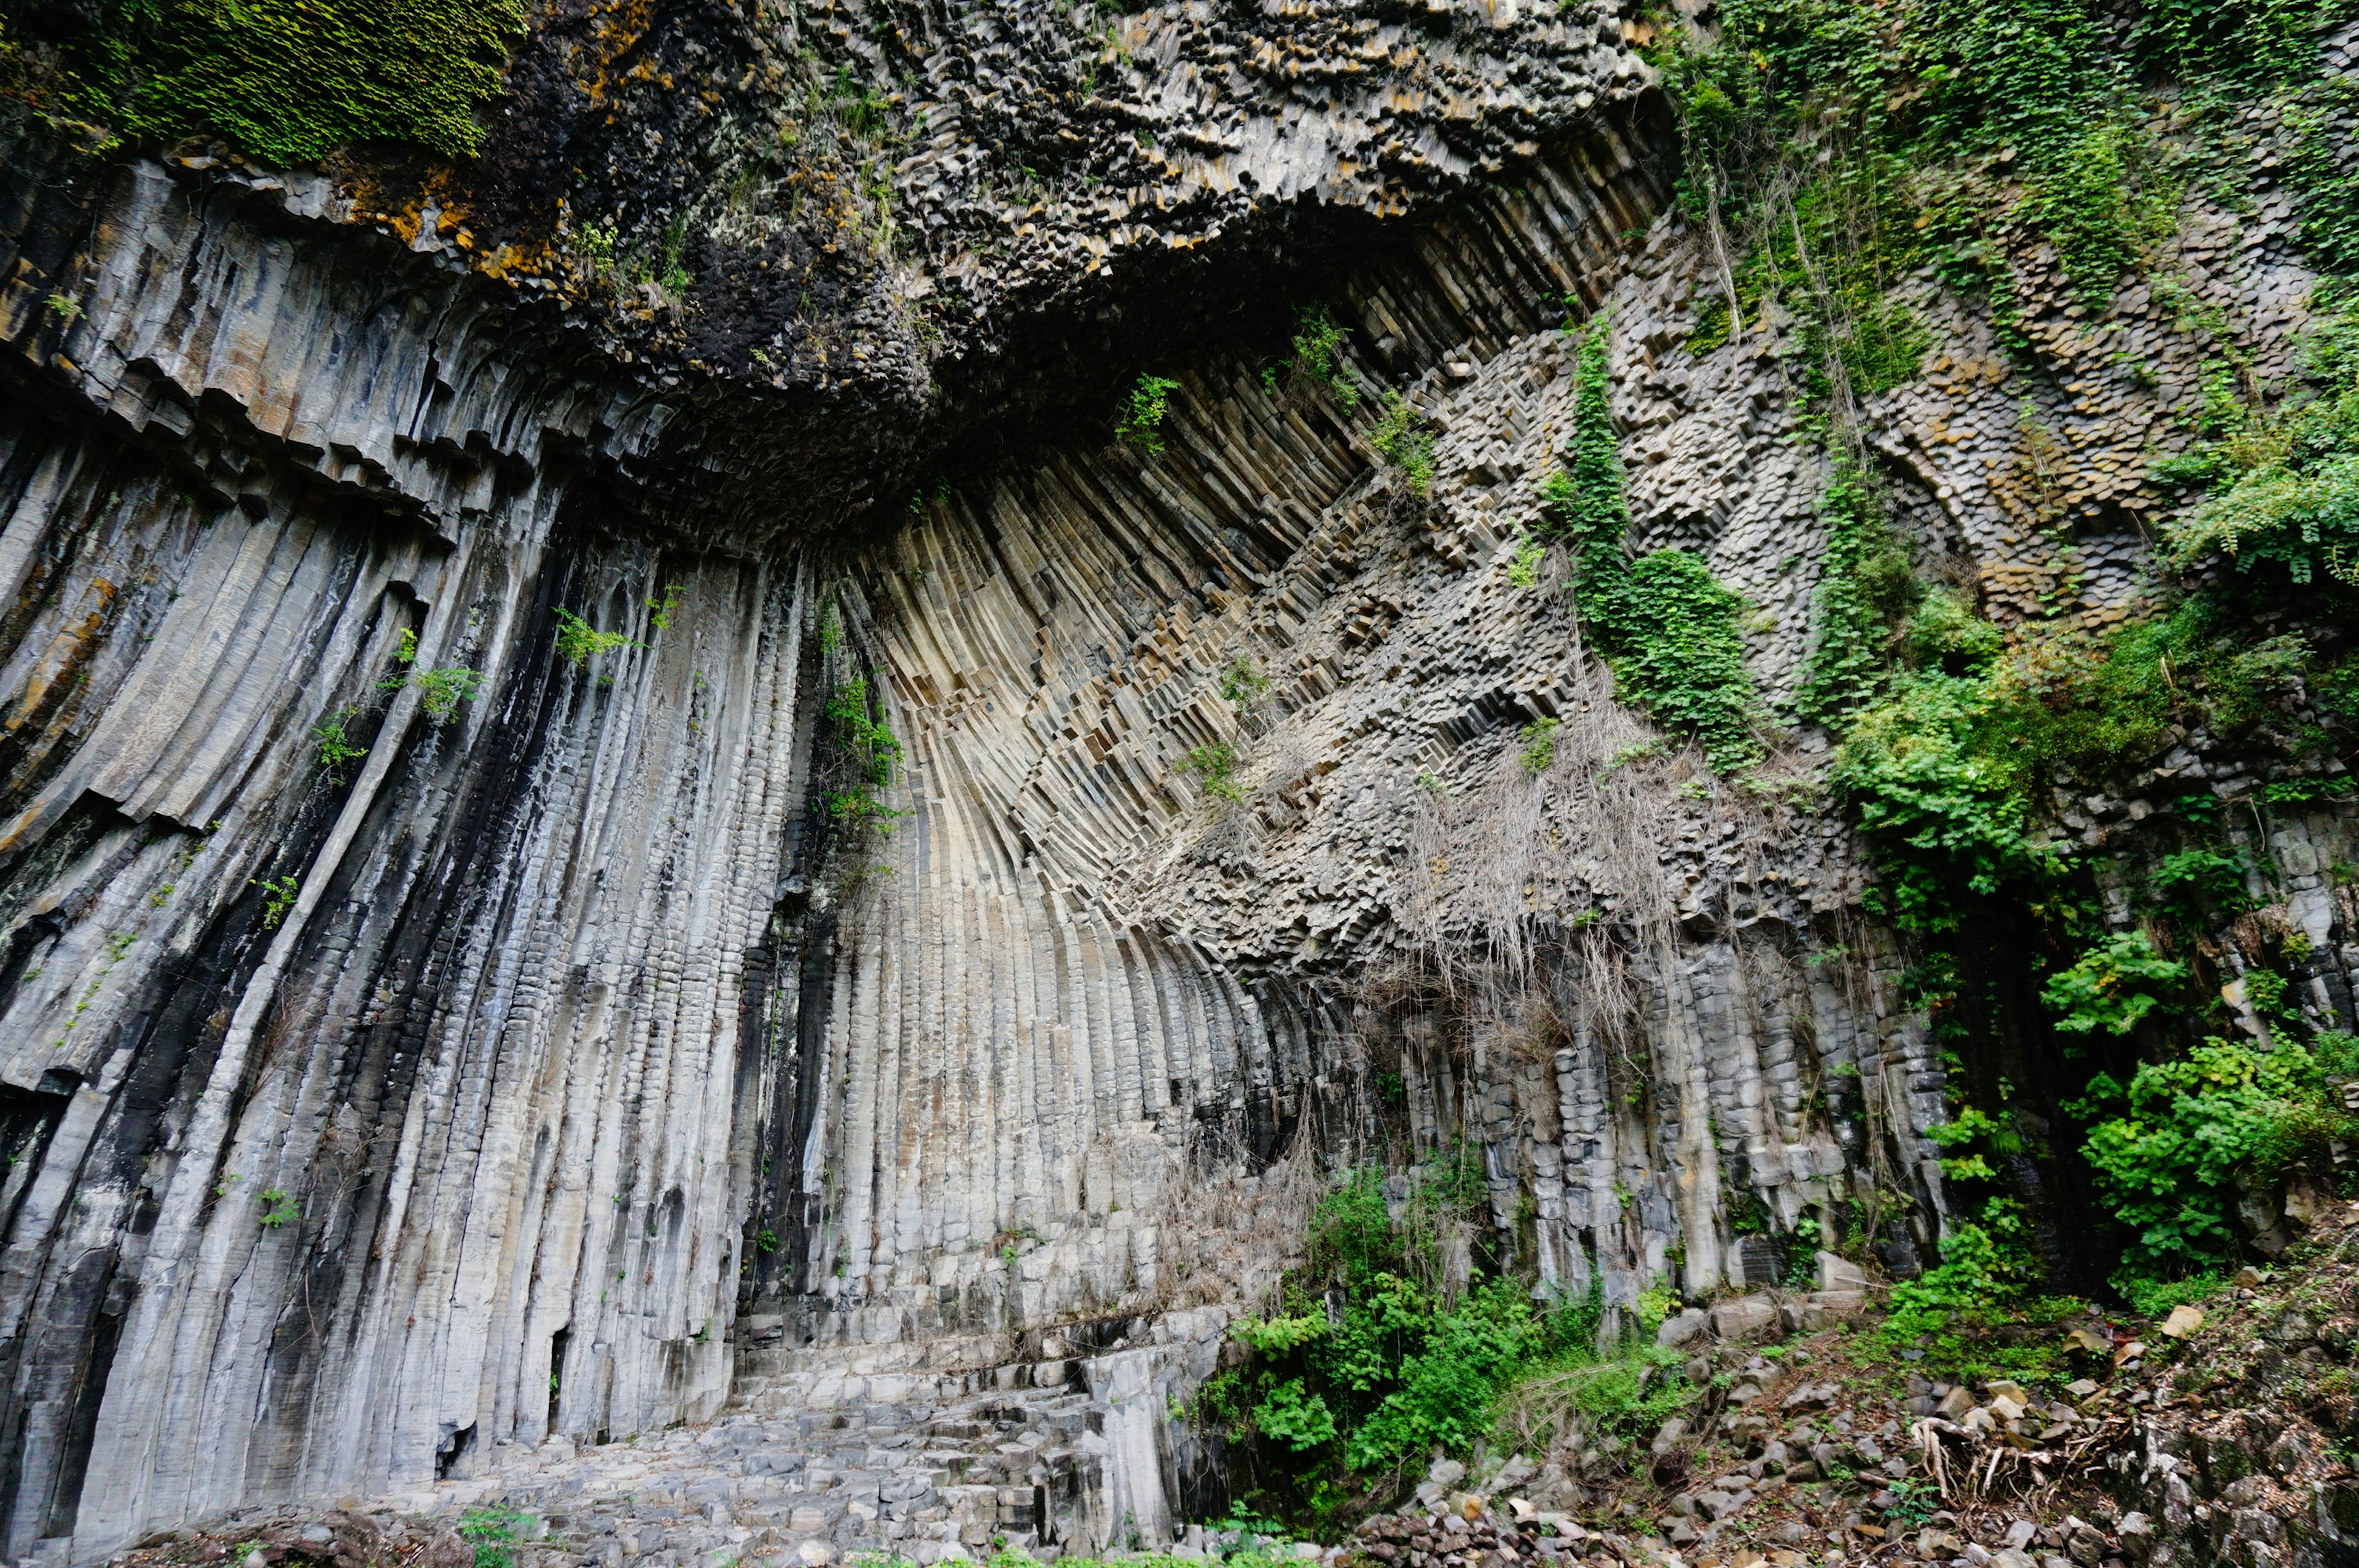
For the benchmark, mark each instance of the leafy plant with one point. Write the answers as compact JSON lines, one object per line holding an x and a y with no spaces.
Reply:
{"x":2112,"y":986}
{"x":1524,"y":571}
{"x":577,"y":642}
{"x":440,"y":692}
{"x":873,"y":757}
{"x":1242,"y":683}
{"x":1670,"y":629}
{"x":1293,"y":1417}
{"x":336,"y":749}
{"x":1403,"y":440}
{"x":1538,"y":738}
{"x":493,"y":1533}
{"x":1318,"y":342}
{"x":1140,"y":423}
{"x":278,"y":895}
{"x":2166,"y":1149}
{"x":1216,"y":766}
{"x":659,"y":610}
{"x":278,"y":1207}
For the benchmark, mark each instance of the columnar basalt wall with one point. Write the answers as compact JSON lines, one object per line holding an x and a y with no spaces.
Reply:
{"x":429,"y":1046}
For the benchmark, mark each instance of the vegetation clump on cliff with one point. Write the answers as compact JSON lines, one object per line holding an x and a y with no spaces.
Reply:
{"x":284,"y":80}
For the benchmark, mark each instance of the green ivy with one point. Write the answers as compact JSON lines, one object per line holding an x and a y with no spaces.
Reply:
{"x":2287,"y":485}
{"x":1865,"y":590}
{"x":1670,"y":630}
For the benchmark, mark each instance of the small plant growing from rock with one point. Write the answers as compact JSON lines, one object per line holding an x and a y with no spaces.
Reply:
{"x":441,"y":691}
{"x":1318,"y":342}
{"x":1538,"y":737}
{"x":1216,"y":766}
{"x":659,"y":611}
{"x":493,"y":1533}
{"x":336,"y":749}
{"x":278,"y":897}
{"x":1141,"y":421}
{"x":278,"y":1207}
{"x":1524,"y":571}
{"x":1242,"y":683}
{"x":577,"y":642}
{"x":1403,"y":440}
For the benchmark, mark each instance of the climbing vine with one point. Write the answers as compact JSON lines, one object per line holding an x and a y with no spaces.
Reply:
{"x":1668,"y":627}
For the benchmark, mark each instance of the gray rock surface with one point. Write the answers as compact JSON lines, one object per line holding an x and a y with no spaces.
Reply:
{"x":572,"y":1066}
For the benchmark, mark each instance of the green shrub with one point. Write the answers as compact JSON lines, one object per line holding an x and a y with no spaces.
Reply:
{"x":1402,"y":440}
{"x":1318,"y":342}
{"x":336,"y":749}
{"x":1293,"y":1417}
{"x":2195,"y":886}
{"x":2168,"y":1147}
{"x":1217,"y":767}
{"x":1670,"y":629}
{"x":1986,"y":1267}
{"x":577,"y":642}
{"x":440,"y":692}
{"x":1538,"y":738}
{"x":2112,"y":986}
{"x":1140,"y":423}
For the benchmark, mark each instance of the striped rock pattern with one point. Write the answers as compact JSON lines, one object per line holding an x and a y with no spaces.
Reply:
{"x":435,"y":1052}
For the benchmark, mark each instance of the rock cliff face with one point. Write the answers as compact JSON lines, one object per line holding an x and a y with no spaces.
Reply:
{"x":434,"y":1038}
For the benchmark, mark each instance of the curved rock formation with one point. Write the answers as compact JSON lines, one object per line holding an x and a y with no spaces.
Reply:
{"x":577,"y":845}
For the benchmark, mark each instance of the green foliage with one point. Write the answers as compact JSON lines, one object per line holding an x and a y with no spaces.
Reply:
{"x":2197,"y":886}
{"x":1217,"y":767}
{"x":286,"y":81}
{"x":2112,"y":986}
{"x":2150,"y":1297}
{"x":1865,"y":591}
{"x":278,"y":895}
{"x":1293,"y":1417}
{"x":1372,"y":1360}
{"x":1943,"y":797}
{"x":1318,"y":342}
{"x":872,"y":759}
{"x":659,"y":611}
{"x":278,"y":1207}
{"x":440,"y":692}
{"x":1524,"y":571}
{"x":577,"y":642}
{"x":1669,"y":628}
{"x":1985,"y":1265}
{"x":493,"y":1533}
{"x":2166,"y":1148}
{"x":336,"y":749}
{"x":1967,"y":1127}
{"x":1538,"y":737}
{"x":1403,"y":440}
{"x":1140,"y":423}
{"x":1944,"y":768}
{"x":1446,"y":1385}
{"x":1242,"y":683}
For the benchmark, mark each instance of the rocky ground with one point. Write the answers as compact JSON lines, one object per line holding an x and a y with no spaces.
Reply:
{"x":2215,"y":1434}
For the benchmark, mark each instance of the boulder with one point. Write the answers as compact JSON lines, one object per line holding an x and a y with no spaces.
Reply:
{"x":1839,"y":1273}
{"x":1745,"y":1315}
